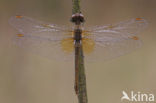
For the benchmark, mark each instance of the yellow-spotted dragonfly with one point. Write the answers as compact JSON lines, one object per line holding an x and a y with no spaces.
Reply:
{"x":58,"y":42}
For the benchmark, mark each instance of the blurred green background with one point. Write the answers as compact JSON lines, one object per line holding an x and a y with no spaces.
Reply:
{"x":29,"y":78}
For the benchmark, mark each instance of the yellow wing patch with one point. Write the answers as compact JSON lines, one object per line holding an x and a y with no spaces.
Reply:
{"x":88,"y":45}
{"x":67,"y":45}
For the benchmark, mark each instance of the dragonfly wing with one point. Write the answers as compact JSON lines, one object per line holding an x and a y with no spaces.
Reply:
{"x":108,"y":50}
{"x":42,"y":38}
{"x":132,"y":26}
{"x":44,"y":47}
{"x":115,"y":40}
{"x":29,"y":26}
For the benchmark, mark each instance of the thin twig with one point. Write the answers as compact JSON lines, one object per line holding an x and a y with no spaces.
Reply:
{"x":82,"y":94}
{"x":76,"y":6}
{"x":80,"y":86}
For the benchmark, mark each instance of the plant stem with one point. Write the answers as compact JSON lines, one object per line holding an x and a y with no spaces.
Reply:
{"x":76,"y":6}
{"x":82,"y":95}
{"x":80,"y":77}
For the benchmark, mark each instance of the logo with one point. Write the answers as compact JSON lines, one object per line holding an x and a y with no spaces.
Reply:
{"x":137,"y":97}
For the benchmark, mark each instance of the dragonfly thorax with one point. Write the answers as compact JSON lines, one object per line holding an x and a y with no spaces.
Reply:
{"x":77,"y":35}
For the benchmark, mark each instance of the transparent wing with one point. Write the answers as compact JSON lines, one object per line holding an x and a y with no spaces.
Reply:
{"x":41,"y":38}
{"x":115,"y":40}
{"x":109,"y":50}
{"x":44,"y":47}
{"x":133,"y":26}
{"x":28,"y":26}
{"x":110,"y":41}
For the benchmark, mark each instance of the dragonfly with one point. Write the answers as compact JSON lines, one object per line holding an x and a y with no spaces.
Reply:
{"x":98,"y":42}
{"x":58,"y":42}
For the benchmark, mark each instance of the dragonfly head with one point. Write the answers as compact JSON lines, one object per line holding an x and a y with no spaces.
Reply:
{"x":77,"y":18}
